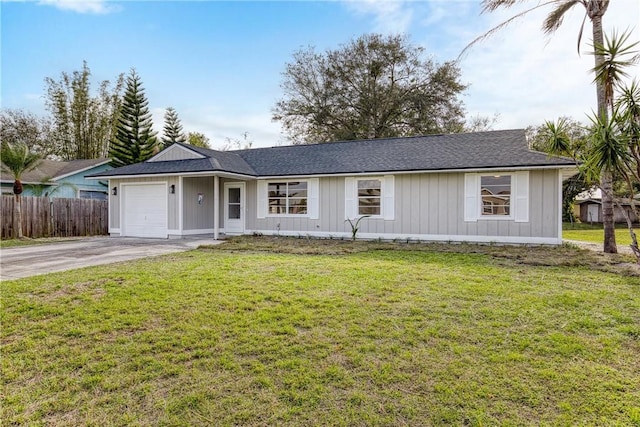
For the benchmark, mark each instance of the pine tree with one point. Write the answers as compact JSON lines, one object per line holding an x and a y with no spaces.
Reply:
{"x":172,"y":129}
{"x":134,"y":141}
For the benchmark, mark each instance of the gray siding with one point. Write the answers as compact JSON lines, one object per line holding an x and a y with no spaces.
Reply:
{"x":176,"y":153}
{"x":425,"y":204}
{"x":197,"y":216}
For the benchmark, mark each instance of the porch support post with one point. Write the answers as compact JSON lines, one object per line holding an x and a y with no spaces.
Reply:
{"x":216,"y":206}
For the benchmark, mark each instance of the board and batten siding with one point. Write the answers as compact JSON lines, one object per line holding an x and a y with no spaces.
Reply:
{"x":427,"y":206}
{"x":114,"y":201}
{"x":198,"y":215}
{"x":175,"y":152}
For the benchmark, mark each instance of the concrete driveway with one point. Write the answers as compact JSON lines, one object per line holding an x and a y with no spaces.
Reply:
{"x":32,"y":260}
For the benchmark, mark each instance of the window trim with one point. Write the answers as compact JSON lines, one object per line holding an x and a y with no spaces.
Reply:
{"x":520,"y":197}
{"x":287,"y":215}
{"x":387,"y":197}
{"x":481,"y":214}
{"x":381,"y":196}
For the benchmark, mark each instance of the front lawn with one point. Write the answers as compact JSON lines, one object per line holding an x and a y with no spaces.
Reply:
{"x":327,"y":333}
{"x":595,"y":234}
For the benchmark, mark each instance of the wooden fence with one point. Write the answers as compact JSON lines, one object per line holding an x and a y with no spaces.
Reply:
{"x":56,"y":217}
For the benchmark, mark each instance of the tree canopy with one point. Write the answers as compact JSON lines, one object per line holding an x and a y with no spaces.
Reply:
{"x":134,"y":140}
{"x":83,"y":124}
{"x":198,"y":139}
{"x":23,"y":127}
{"x":375,"y":86}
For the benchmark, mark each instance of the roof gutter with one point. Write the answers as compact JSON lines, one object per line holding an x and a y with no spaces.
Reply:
{"x":160,"y":174}
{"x":567,"y":168}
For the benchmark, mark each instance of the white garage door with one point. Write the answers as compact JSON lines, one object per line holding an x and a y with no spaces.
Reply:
{"x":145,"y":210}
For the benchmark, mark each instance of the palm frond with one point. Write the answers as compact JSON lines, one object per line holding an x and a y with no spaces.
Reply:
{"x":584,"y":19}
{"x":617,"y":55}
{"x":490,"y":5}
{"x":609,"y":149}
{"x":18,"y":159}
{"x":557,"y":138}
{"x":553,"y":21}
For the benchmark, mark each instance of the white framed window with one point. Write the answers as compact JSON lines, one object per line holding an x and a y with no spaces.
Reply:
{"x":371,"y":196}
{"x":288,"y":197}
{"x":496,"y":196}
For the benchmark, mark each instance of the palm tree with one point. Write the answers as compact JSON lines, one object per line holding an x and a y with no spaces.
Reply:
{"x":616,"y":142}
{"x":17,"y":159}
{"x":594,"y":10}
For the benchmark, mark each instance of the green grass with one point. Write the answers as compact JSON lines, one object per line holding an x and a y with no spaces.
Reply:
{"x":327,"y":333}
{"x":595,"y":234}
{"x":27,"y":241}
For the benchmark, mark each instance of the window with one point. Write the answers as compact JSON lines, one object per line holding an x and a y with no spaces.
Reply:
{"x":97,"y":195}
{"x":287,"y":198}
{"x":234,"y":204}
{"x":495,"y":192}
{"x":496,"y":196}
{"x":369,"y":196}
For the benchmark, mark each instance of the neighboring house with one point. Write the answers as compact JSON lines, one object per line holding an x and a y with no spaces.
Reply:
{"x":590,"y":211}
{"x":62,"y":179}
{"x":477,"y":187}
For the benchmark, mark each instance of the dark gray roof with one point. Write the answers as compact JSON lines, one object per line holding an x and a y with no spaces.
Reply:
{"x":480,"y":150}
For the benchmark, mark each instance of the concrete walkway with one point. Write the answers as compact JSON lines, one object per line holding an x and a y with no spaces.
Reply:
{"x":32,"y":260}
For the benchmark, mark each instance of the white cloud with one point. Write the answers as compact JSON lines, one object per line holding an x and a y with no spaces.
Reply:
{"x":519,"y":73}
{"x":528,"y":78}
{"x":97,"y":7}
{"x":390,"y":17}
{"x":217,"y":125}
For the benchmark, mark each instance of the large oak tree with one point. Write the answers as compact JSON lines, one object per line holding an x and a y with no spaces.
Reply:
{"x":372,"y":87}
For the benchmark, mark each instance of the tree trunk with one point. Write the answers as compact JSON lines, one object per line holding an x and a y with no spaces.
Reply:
{"x":18,"y":210}
{"x":606,"y":178}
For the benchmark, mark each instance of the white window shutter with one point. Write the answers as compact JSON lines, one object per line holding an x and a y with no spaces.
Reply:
{"x":262,"y":199}
{"x":313,"y":198}
{"x":350,"y":198}
{"x":521,"y":196}
{"x":471,"y":197}
{"x":388,"y":198}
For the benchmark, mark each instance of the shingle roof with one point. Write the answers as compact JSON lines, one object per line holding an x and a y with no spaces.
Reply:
{"x":480,"y":150}
{"x":50,"y":170}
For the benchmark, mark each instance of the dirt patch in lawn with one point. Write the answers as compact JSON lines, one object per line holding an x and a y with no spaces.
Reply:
{"x":569,"y":254}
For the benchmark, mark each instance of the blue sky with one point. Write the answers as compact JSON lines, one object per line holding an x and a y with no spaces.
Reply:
{"x":219,"y":63}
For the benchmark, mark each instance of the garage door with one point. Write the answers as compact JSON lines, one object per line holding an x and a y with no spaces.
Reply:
{"x":145,"y":210}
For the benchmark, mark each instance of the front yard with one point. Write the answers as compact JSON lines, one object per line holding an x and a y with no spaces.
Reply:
{"x":297,"y":332}
{"x":595,"y":233}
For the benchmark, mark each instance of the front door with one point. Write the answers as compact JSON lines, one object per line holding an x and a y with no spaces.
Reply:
{"x":234,"y":208}
{"x":593,"y":212}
